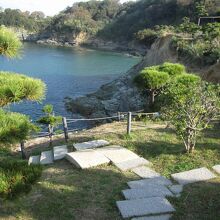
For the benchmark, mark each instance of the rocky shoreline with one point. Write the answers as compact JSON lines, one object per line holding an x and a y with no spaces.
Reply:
{"x":121,"y":95}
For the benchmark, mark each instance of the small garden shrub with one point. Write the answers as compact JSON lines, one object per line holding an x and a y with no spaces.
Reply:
{"x":17,"y":176}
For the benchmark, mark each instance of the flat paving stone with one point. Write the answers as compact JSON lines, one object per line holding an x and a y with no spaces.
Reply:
{"x":117,"y":154}
{"x":90,"y":144}
{"x":60,"y":152}
{"x":216,"y":168}
{"x":143,"y":207}
{"x":145,"y":172}
{"x":34,"y":160}
{"x":192,"y":176}
{"x":86,"y":159}
{"x":176,"y":189}
{"x":130,"y":164}
{"x":147,"y":192}
{"x":46,"y":157}
{"x":146,"y":182}
{"x":158,"y":217}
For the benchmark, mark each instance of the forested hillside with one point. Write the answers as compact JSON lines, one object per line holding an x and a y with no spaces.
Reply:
{"x":109,"y":19}
{"x":35,"y":21}
{"x":141,"y":22}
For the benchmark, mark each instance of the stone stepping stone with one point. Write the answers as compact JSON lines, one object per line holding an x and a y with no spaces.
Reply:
{"x":86,"y":159}
{"x":145,"y":172}
{"x":147,"y":192}
{"x":34,"y":160}
{"x":176,"y":189}
{"x":60,"y":152}
{"x":118,"y":154}
{"x":90,"y":144}
{"x":46,"y":157}
{"x":192,"y":176}
{"x":130,"y":164}
{"x":143,"y":207}
{"x":216,"y":168}
{"x":146,"y":182}
{"x":157,"y":217}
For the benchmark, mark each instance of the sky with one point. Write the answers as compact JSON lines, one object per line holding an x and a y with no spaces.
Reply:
{"x":49,"y":7}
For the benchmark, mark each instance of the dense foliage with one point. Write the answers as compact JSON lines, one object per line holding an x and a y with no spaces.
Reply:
{"x":17,"y":87}
{"x":200,"y":44}
{"x":17,"y":176}
{"x":14,"y":127}
{"x":34,"y":21}
{"x":190,"y":104}
{"x":154,"y":79}
{"x":14,"y":87}
{"x":88,"y":17}
{"x":9,"y":43}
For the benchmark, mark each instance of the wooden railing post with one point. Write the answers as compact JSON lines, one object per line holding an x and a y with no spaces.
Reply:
{"x":65,"y":128}
{"x":129,"y":123}
{"x":119,"y":116}
{"x":23,"y":155}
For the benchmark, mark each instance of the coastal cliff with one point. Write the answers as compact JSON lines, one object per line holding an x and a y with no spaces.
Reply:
{"x":122,"y":95}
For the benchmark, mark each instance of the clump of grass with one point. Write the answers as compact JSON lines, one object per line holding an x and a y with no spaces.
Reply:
{"x":17,"y":176}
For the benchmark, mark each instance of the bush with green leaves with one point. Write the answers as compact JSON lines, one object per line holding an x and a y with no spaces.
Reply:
{"x":154,"y":79}
{"x":17,"y":176}
{"x":14,"y":127}
{"x":146,"y":36}
{"x":190,"y":104}
{"x":50,"y":119}
{"x":14,"y":88}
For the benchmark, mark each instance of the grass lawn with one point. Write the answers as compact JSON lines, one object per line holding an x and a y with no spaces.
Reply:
{"x":64,"y":192}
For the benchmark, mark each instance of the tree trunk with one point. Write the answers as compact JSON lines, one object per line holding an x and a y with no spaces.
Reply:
{"x":50,"y":130}
{"x":152,"y":99}
{"x":190,"y":140}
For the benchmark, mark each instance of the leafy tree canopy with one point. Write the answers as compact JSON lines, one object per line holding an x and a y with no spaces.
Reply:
{"x":190,"y":104}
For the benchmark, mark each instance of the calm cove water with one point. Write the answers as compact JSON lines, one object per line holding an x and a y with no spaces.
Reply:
{"x":71,"y":72}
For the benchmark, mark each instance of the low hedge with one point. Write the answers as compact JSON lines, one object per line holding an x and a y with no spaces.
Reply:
{"x":17,"y":176}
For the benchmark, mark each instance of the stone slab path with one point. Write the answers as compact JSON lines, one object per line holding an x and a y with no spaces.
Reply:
{"x":117,"y":154}
{"x":145,"y":172}
{"x":193,"y":176}
{"x":146,"y":182}
{"x":90,"y":144}
{"x":130,"y":164}
{"x":46,"y":157}
{"x":176,"y":189}
{"x":34,"y":160}
{"x":122,"y":158}
{"x":60,"y":152}
{"x":216,"y":168}
{"x":148,"y":192}
{"x":142,"y":207}
{"x":86,"y":158}
{"x":159,"y":217}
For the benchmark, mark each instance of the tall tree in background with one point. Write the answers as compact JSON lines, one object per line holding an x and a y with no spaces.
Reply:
{"x":15,"y":88}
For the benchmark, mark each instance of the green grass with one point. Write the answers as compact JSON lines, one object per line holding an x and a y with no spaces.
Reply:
{"x":64,"y":192}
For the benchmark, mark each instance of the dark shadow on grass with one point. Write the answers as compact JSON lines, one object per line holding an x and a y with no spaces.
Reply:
{"x":65,"y":192}
{"x":199,"y":201}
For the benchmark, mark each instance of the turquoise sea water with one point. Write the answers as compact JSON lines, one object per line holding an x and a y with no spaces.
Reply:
{"x":71,"y":72}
